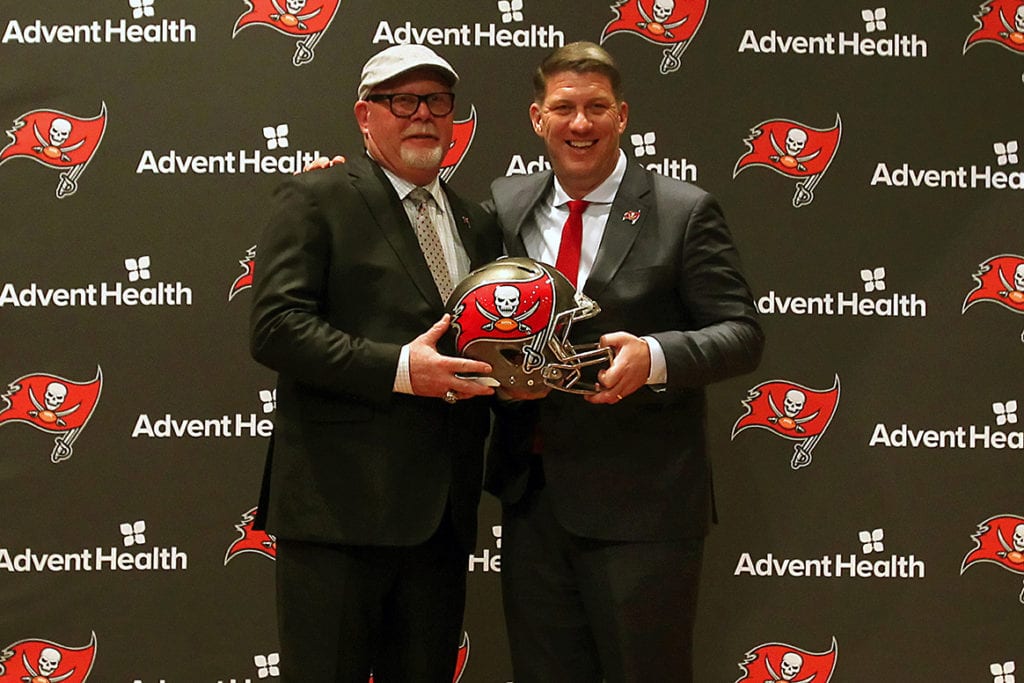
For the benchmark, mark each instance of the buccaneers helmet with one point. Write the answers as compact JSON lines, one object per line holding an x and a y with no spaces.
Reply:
{"x":516,"y":315}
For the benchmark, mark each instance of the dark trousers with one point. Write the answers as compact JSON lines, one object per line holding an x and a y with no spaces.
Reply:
{"x":347,"y":611}
{"x":581,"y":610}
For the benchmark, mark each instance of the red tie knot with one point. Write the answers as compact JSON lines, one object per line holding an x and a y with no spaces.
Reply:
{"x":577,"y":207}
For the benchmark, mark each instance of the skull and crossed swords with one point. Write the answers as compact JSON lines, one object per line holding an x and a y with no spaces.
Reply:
{"x":796,"y":140}
{"x":1014,"y":292}
{"x":792,"y":404}
{"x":1014,"y":553}
{"x":657,"y":25}
{"x":1015,"y":33}
{"x":790,"y":666}
{"x":49,"y":660}
{"x":506,"y":300}
{"x":54,"y":148}
{"x":291,"y":17}
{"x":53,"y":398}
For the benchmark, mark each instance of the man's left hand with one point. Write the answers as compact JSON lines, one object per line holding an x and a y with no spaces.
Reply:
{"x":629,"y":369}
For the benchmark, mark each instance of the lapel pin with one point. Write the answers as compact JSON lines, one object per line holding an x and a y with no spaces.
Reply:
{"x":465,"y":221}
{"x":631,"y":216}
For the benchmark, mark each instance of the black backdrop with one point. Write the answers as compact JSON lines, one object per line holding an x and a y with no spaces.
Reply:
{"x":888,"y":294}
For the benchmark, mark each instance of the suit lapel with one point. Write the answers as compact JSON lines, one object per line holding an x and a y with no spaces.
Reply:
{"x":468,"y":234}
{"x":387,"y":211}
{"x":632,"y":206}
{"x":520,"y":208}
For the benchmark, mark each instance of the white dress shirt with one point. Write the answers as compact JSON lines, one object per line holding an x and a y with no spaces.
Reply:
{"x":543,"y":237}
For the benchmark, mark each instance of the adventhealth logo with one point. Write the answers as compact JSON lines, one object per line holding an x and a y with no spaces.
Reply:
{"x":875,"y":301}
{"x":137,"y":291}
{"x":960,"y":437}
{"x":275,"y":137}
{"x":838,"y":565}
{"x":840,"y":44}
{"x":103,"y":30}
{"x":98,"y":559}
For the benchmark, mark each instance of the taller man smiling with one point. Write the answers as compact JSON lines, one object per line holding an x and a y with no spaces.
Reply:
{"x":606,"y":501}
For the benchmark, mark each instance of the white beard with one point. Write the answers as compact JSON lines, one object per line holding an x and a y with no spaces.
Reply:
{"x":424,"y":158}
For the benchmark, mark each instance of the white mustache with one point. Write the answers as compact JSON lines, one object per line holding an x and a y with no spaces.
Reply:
{"x":420,"y":129}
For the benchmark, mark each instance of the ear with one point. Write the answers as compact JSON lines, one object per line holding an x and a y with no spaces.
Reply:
{"x":361,"y":109}
{"x":623,"y":116}
{"x":536,"y":120}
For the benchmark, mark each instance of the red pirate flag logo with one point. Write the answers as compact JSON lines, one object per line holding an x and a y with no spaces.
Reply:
{"x":999,"y":21}
{"x":462,"y":137}
{"x":507,"y":311}
{"x":999,"y":540}
{"x":43,"y":661}
{"x":460,"y":662}
{"x":1000,"y":280}
{"x":666,"y":22}
{"x":52,"y":404}
{"x":794,"y":150}
{"x":305,"y":18}
{"x":244,"y":281}
{"x":791,"y":411}
{"x":58,"y":140}
{"x":780,"y":663}
{"x":251,"y":540}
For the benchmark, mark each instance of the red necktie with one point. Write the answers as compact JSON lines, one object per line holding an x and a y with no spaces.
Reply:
{"x":568,"y":262}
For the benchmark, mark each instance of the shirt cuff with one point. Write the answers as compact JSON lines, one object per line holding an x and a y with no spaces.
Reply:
{"x":403,"y":383}
{"x":659,"y":371}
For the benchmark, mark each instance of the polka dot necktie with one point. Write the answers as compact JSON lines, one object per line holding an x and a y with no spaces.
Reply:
{"x":430,"y":242}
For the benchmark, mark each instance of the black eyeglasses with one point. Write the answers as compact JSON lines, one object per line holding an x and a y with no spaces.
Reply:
{"x":404,"y":104}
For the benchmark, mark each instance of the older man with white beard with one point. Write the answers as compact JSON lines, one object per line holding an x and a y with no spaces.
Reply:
{"x":373,"y":473}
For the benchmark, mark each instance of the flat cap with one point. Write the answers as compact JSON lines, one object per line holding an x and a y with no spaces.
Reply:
{"x":398,"y":59}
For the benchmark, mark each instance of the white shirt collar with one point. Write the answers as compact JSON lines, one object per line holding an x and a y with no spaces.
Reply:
{"x":404,"y":187}
{"x":603,"y":193}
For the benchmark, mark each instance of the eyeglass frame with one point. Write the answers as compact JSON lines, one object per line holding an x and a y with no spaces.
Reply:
{"x":420,"y":99}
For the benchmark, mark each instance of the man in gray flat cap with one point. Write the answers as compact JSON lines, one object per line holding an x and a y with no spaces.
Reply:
{"x":373,"y":473}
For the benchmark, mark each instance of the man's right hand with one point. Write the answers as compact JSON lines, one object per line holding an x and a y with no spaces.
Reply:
{"x":434,"y":374}
{"x":321,"y":162}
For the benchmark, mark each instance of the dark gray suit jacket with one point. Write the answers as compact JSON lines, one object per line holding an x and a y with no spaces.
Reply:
{"x":637,"y":470}
{"x":340,"y":285}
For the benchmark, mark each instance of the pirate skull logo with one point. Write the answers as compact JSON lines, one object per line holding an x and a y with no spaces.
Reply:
{"x":52,"y":146}
{"x":792,"y":405}
{"x":48,"y":411}
{"x":658,"y":24}
{"x":788,"y":155}
{"x":506,"y":301}
{"x":289,"y":14}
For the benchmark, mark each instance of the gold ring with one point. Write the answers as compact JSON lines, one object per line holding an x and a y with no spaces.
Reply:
{"x":450,"y":396}
{"x":618,"y":396}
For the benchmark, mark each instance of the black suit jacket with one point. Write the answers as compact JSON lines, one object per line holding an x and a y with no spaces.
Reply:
{"x":340,"y":285}
{"x":637,"y":470}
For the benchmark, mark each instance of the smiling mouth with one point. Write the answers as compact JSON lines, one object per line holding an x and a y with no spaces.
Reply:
{"x":581,"y":144}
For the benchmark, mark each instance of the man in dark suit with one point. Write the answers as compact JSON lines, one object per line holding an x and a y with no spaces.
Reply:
{"x":606,"y":500}
{"x":374,"y":469}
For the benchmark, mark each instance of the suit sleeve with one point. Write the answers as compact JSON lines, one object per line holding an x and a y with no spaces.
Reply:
{"x":289,"y":327}
{"x":724,"y":338}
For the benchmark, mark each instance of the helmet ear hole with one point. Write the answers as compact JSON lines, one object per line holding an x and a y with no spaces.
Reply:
{"x":513,"y":356}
